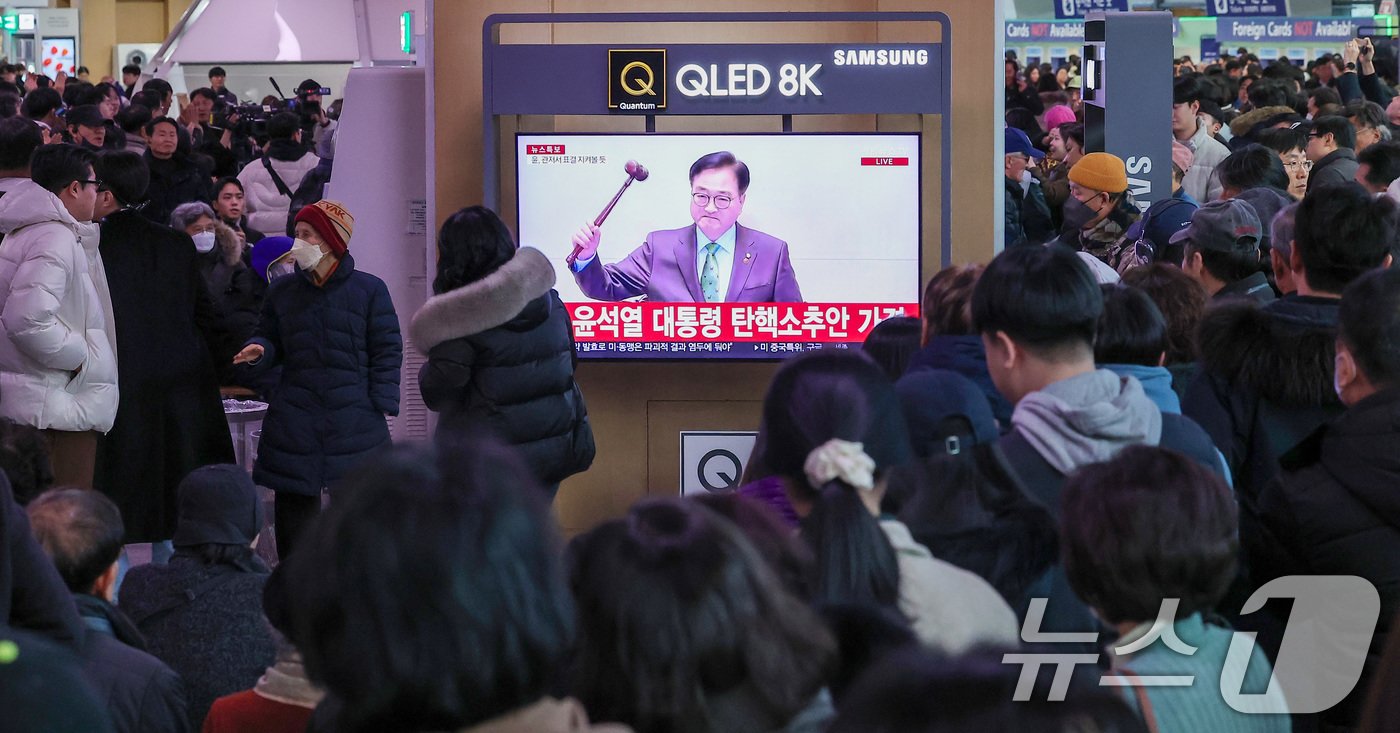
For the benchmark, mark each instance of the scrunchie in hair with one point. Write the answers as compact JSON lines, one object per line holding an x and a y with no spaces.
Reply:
{"x":841,"y":459}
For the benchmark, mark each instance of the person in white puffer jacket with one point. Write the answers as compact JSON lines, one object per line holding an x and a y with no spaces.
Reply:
{"x":287,"y":156}
{"x":58,"y":370}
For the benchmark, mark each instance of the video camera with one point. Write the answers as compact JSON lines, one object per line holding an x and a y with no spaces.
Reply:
{"x":248,"y":119}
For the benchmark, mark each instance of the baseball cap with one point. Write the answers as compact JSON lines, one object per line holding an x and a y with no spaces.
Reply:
{"x":1222,"y":226}
{"x":1018,"y":142}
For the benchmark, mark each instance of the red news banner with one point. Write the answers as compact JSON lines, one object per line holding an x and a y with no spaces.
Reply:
{"x":831,"y":323}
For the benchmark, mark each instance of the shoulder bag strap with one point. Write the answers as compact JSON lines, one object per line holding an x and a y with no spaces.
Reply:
{"x":276,"y":179}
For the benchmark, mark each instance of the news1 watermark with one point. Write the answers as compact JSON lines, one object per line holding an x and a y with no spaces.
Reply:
{"x":1319,"y":663}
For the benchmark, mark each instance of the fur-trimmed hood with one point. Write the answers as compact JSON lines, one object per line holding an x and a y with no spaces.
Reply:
{"x":1240,"y":126}
{"x":229,"y":248}
{"x":493,"y":301}
{"x":1282,"y":352}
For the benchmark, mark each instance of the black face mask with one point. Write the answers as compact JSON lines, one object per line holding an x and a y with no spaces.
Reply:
{"x":1077,"y":214}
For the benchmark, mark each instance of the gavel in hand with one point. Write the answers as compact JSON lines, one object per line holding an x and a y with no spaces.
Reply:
{"x":635,"y":172}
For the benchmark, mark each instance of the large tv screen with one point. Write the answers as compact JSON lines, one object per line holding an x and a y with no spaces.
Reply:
{"x":821,"y":245}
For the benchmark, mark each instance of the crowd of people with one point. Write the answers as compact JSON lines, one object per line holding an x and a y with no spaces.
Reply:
{"x":1093,"y":450}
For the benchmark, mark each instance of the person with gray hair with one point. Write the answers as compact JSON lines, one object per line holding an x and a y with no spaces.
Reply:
{"x":1281,"y":235}
{"x":236,"y":292}
{"x":1369,"y":120}
{"x":187,"y":214}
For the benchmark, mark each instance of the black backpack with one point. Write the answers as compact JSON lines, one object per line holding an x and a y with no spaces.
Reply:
{"x":309,"y":191}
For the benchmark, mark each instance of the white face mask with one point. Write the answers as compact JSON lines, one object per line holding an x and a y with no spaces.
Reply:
{"x":306,"y":254}
{"x":204,"y":241}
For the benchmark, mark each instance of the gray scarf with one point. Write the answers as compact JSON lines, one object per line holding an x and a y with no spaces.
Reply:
{"x":1087,"y":419}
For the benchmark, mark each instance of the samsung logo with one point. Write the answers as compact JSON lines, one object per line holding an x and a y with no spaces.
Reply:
{"x":881,"y":57}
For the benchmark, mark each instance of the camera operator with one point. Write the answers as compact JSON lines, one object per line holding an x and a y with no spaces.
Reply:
{"x":285,"y":160}
{"x":316,"y":126}
{"x":225,"y":96}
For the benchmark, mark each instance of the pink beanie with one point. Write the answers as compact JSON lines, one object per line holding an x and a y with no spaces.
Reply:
{"x":1058,"y":115}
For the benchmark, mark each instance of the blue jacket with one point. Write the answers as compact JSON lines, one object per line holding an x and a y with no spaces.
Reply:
{"x":964,"y":355}
{"x":1156,"y":382}
{"x":340,"y":352}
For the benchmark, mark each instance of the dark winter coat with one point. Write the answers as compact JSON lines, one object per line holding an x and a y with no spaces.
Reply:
{"x":206,"y":622}
{"x":173,"y":182}
{"x":170,"y":419}
{"x":501,"y":359}
{"x":339,"y":348}
{"x":971,"y":510}
{"x":1026,"y":98}
{"x":1338,"y":167}
{"x":1265,"y":384}
{"x":1027,"y":215}
{"x":1044,"y":485}
{"x":32,"y":595}
{"x":966,"y":356}
{"x":140,"y":692}
{"x":1335,"y":511}
{"x":237,"y":293}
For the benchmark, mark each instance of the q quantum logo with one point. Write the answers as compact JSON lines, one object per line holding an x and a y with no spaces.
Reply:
{"x":637,"y":79}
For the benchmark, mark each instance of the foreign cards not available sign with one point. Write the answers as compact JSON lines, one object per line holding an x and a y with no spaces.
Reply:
{"x":1065,"y":9}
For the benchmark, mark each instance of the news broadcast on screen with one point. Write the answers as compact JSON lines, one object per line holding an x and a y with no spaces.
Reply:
{"x":815,"y":248}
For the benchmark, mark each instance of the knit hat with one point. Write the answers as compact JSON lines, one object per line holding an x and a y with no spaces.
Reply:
{"x":333,"y":223}
{"x":268,"y":251}
{"x":1182,"y":157}
{"x":1058,"y":115}
{"x":218,"y":505}
{"x":1100,"y":172}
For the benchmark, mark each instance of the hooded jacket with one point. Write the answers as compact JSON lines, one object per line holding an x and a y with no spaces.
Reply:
{"x":1070,"y":423}
{"x":58,"y":369}
{"x":1242,"y":127}
{"x":501,"y":359}
{"x":266,"y":206}
{"x":1156,"y":384}
{"x":1265,"y":384}
{"x":1335,"y":511}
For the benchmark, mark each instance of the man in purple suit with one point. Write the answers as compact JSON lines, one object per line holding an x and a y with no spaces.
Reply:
{"x":716,"y":260}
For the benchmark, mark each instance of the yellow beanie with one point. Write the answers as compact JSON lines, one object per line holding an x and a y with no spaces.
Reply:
{"x":1100,"y":172}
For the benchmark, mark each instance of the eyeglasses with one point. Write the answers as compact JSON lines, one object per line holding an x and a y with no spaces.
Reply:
{"x":94,"y":182}
{"x":1296,"y":164}
{"x":721,"y":201}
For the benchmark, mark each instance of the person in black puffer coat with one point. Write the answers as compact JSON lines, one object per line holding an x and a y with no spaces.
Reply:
{"x":334,"y":331}
{"x":500,"y":348}
{"x":1332,"y":510}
